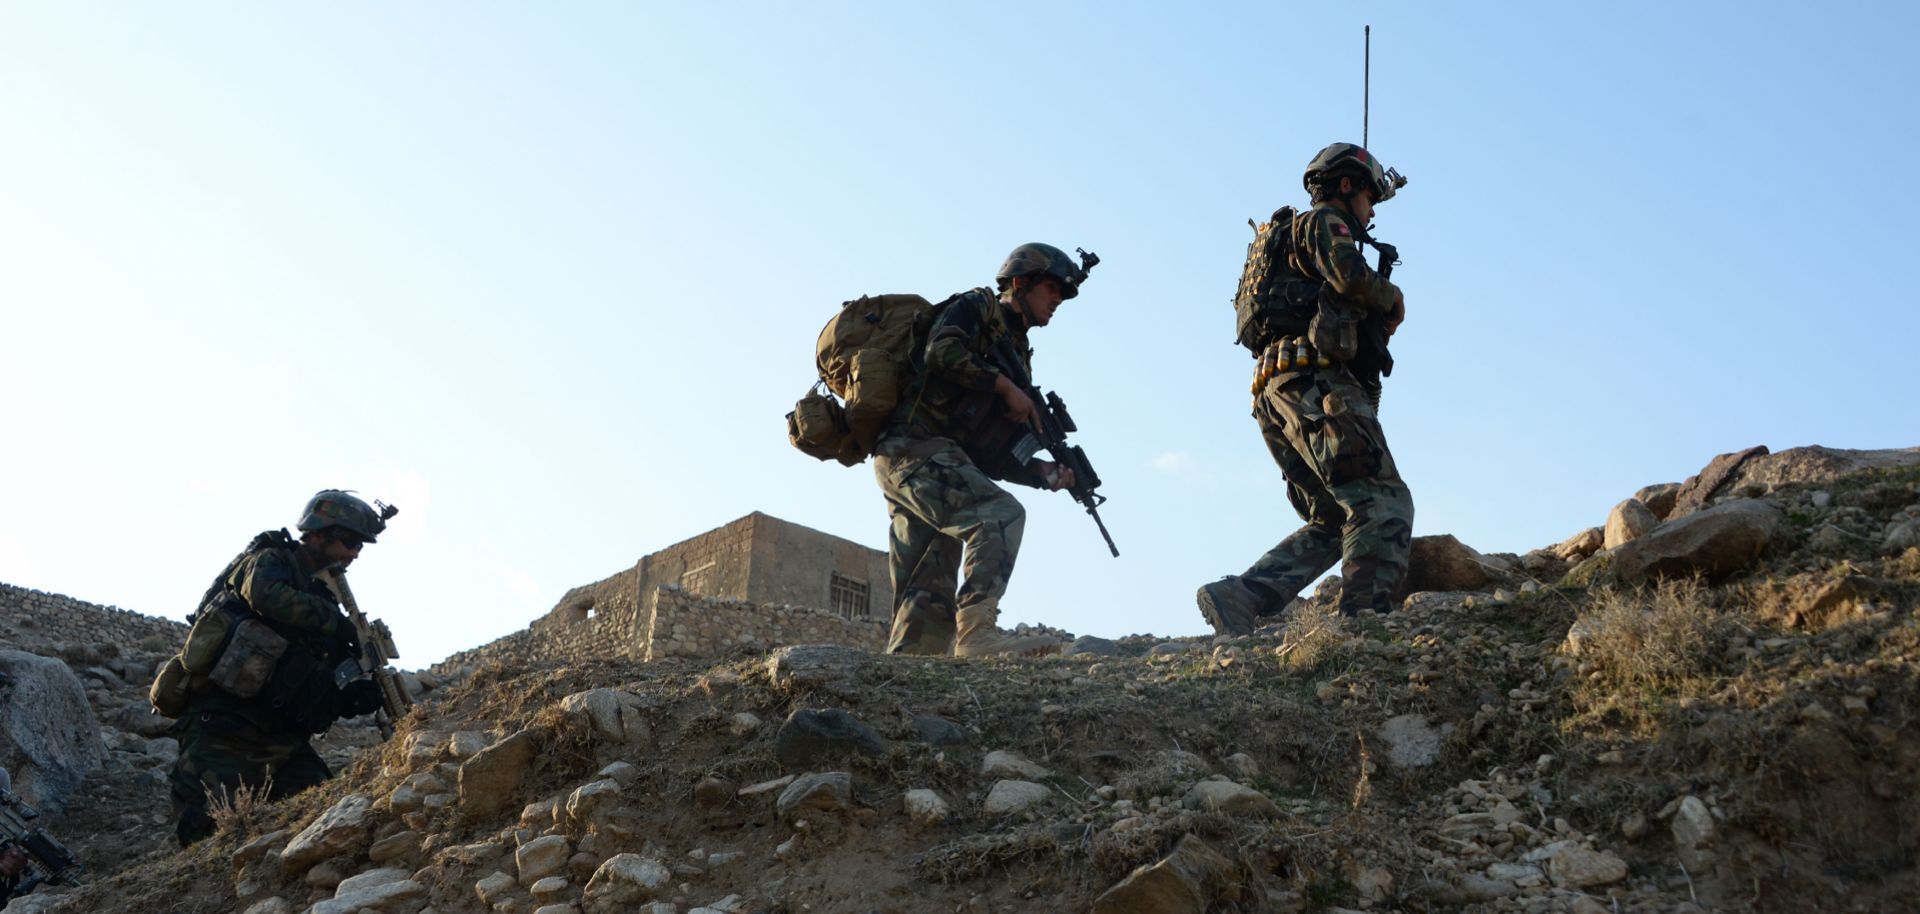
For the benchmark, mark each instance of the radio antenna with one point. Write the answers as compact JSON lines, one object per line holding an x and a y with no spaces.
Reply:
{"x":1366,"y":84}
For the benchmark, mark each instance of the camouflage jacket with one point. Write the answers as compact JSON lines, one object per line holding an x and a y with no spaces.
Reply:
{"x":957,"y":363}
{"x":1325,"y":246}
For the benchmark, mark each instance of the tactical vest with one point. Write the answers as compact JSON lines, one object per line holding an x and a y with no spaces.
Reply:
{"x":232,"y":652}
{"x":1274,"y":299}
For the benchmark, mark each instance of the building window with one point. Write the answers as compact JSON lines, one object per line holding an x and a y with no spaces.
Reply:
{"x":698,"y":580}
{"x":849,"y":597}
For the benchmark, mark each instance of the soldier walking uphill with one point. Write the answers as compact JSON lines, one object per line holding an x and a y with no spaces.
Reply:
{"x":949,"y":518}
{"x":1317,"y":317}
{"x":270,"y":661}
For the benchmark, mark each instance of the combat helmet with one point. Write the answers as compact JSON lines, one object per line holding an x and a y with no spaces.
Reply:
{"x":337,"y":508}
{"x":1348,"y":159}
{"x":1035,"y":257}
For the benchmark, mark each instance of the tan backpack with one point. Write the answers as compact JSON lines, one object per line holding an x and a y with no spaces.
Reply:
{"x":864,"y":355}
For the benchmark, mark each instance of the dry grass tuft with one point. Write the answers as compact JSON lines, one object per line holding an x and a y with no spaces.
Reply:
{"x":242,"y":811}
{"x":1655,"y":641}
{"x":1313,"y":639}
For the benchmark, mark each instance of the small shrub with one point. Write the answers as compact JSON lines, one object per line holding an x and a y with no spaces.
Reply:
{"x":240,"y":811}
{"x":1313,"y":640}
{"x":1656,"y":640}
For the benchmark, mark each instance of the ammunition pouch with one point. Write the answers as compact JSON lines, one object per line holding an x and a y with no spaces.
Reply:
{"x":252,"y":654}
{"x":1286,"y":309}
{"x":1334,"y":330}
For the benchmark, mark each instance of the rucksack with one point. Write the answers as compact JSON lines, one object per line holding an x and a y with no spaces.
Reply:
{"x":1273,"y":300}
{"x":864,"y":355}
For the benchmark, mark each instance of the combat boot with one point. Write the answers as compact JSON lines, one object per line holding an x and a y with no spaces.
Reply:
{"x":980,"y":637}
{"x":1231,"y":607}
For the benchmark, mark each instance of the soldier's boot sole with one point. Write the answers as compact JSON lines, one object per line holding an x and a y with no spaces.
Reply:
{"x":1224,"y":619}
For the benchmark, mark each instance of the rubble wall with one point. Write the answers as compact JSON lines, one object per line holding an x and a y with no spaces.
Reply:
{"x":683,"y":624}
{"x":675,"y":623}
{"x":33,"y":618}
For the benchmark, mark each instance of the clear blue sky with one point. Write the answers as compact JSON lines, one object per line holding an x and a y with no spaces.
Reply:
{"x":548,"y":275}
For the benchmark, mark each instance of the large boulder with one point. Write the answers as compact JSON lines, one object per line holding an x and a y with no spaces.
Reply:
{"x":1699,"y":490}
{"x":1628,"y":521}
{"x":624,"y":882}
{"x":343,"y":829}
{"x":1190,"y":880}
{"x":1659,"y":498}
{"x":489,"y":780}
{"x":1444,"y":563}
{"x":812,"y":735}
{"x":614,"y":714}
{"x":1714,"y":542}
{"x":816,"y":666}
{"x":48,"y":737}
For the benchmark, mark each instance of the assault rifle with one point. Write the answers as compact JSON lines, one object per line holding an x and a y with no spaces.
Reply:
{"x":1372,"y":361}
{"x":1053,"y":424}
{"x":47,"y":860}
{"x":376,"y":655}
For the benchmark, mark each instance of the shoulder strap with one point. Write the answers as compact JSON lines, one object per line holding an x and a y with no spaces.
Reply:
{"x":269,"y":539}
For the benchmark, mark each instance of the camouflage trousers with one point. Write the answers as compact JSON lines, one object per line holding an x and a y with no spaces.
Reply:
{"x":951,"y":526}
{"x":220,"y":754}
{"x":1342,"y":481}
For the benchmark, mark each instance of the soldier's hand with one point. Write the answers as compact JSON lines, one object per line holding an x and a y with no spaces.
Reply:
{"x":1399,"y":313}
{"x":12,"y":861}
{"x":1020,"y":407}
{"x":1054,"y":475}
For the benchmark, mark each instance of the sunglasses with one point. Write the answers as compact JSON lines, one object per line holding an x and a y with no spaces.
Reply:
{"x":349,"y":539}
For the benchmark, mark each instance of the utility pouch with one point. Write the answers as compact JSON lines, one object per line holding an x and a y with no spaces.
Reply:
{"x":171,"y":688}
{"x":818,"y":425}
{"x":874,"y":386}
{"x":212,"y":628}
{"x":1334,"y":331}
{"x":249,"y":660}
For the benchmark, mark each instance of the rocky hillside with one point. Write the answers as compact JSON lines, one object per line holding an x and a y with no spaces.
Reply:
{"x":1706,"y":703}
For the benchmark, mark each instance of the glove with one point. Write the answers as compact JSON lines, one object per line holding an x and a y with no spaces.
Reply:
{"x":346,"y":640}
{"x":361,"y":696}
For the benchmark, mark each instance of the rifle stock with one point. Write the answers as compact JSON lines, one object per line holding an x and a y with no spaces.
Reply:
{"x":376,"y":656}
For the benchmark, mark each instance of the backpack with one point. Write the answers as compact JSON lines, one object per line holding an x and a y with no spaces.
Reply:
{"x":1273,"y":300}
{"x":864,"y":354}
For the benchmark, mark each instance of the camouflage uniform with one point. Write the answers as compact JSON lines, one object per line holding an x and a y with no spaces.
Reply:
{"x":1324,"y":434}
{"x":228,"y":742}
{"x":949,"y":520}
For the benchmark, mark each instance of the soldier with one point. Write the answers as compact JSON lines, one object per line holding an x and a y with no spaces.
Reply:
{"x":1317,"y":417}
{"x":226,"y":741}
{"x":948,"y":516}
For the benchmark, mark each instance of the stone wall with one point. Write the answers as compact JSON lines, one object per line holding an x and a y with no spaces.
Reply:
{"x":675,"y":623}
{"x":42,"y":622}
{"x":796,"y":565}
{"x":687,"y":625}
{"x":615,"y":596}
